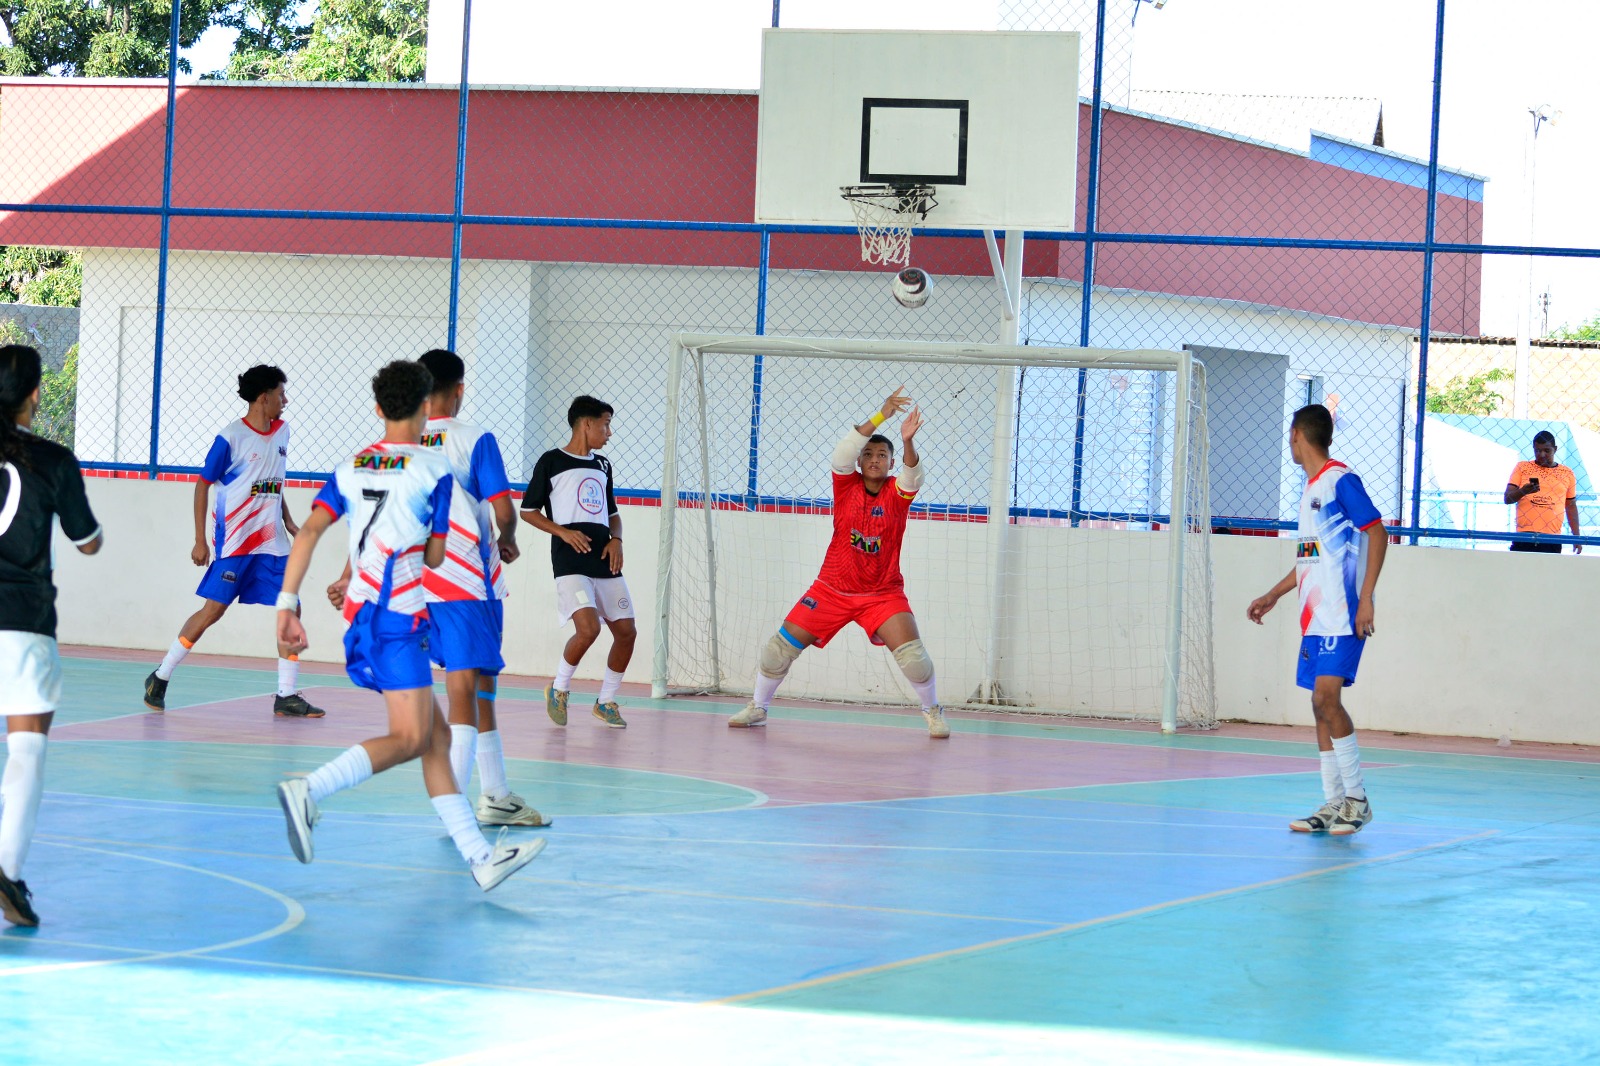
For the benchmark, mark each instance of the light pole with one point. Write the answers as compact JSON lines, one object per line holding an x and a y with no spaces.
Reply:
{"x":1519,"y":385}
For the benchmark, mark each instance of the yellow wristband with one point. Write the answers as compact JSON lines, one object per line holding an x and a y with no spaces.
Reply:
{"x":877,"y":418}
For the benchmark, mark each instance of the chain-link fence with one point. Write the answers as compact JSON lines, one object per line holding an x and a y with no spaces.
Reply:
{"x":184,"y":230}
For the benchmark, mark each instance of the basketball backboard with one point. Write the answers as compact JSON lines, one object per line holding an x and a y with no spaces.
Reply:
{"x":989,"y":119}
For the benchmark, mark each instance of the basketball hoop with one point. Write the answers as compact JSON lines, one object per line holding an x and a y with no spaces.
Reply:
{"x":886,"y":215}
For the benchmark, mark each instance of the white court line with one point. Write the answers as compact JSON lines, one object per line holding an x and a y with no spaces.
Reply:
{"x":294,"y":916}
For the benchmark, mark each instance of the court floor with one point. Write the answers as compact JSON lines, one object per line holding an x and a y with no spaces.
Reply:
{"x":835,"y":888}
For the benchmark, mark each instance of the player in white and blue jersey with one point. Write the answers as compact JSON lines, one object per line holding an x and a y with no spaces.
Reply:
{"x":244,"y":544}
{"x":465,"y":592}
{"x":396,"y":495}
{"x":1338,"y":555}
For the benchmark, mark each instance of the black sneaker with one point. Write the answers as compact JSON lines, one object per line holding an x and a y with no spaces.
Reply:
{"x":155,"y":692}
{"x":14,"y":901}
{"x":295,"y":706}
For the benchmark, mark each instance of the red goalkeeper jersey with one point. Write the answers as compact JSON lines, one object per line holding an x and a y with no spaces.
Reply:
{"x":864,"y":556}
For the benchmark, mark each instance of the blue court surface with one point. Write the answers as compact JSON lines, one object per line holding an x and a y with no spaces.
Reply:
{"x":836,"y":888}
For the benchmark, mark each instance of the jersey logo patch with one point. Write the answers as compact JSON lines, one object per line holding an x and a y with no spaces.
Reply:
{"x":809,"y":602}
{"x":863,"y":543}
{"x":433,"y":440}
{"x":283,"y":452}
{"x":591,"y":495}
{"x":267,"y":488}
{"x":1308,"y":549}
{"x":1316,"y":504}
{"x":230,"y":576}
{"x":877,"y":512}
{"x":380,"y":462}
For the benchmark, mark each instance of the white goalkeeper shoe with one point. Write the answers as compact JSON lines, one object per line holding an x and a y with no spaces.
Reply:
{"x":938,"y":728}
{"x":750,"y":716}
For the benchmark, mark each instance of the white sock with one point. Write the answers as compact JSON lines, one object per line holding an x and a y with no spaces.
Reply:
{"x":463,"y":746}
{"x":1348,"y":753}
{"x":288,"y":676}
{"x":175,"y":655}
{"x":1332,"y":783}
{"x":563,"y":681}
{"x":492,"y":765}
{"x":351,"y":767}
{"x":462,"y":825}
{"x":609,"y":685}
{"x":21,"y":788}
{"x":927,"y":692}
{"x":766,"y":688}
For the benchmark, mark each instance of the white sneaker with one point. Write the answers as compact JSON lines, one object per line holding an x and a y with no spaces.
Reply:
{"x":300,"y":811}
{"x":1352,"y":816}
{"x":750,"y":716}
{"x":1321,"y":820}
{"x":938,"y":728}
{"x":510,"y":810}
{"x":506,"y":860}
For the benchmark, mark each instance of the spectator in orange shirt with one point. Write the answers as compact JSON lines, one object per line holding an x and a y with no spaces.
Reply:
{"x":1540,"y":490}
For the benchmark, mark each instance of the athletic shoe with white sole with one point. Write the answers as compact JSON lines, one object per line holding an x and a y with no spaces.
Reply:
{"x":555,"y":704}
{"x":1352,"y":816}
{"x":749,"y":717}
{"x":155,"y":692}
{"x":300,"y":812}
{"x":511,"y":809}
{"x":506,"y":860}
{"x":938,"y":728}
{"x":607,"y":713}
{"x":16,"y":902}
{"x":1320,"y":821}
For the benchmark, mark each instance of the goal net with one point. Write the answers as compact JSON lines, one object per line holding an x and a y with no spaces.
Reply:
{"x":1057,"y":558}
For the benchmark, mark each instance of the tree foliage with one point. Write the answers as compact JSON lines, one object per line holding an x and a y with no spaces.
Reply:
{"x":349,"y":40}
{"x":48,"y":276}
{"x":1584,"y":331}
{"x":1469,"y":394}
{"x":58,"y":389}
{"x":100,"y":38}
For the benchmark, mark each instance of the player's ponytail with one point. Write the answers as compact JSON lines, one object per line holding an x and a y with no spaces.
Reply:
{"x":19,"y":377}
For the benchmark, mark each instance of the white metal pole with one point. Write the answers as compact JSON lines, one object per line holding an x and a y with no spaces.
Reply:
{"x":669,"y":514}
{"x":1177,"y":528}
{"x":991,"y":689}
{"x":711,"y":542}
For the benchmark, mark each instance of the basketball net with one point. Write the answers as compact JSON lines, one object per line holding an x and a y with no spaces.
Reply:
{"x":885,"y":216}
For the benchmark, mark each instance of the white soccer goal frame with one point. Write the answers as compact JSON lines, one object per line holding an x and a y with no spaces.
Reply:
{"x":1185,"y":368}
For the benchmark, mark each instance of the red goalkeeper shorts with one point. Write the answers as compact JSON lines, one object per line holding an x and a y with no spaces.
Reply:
{"x":822,"y":612}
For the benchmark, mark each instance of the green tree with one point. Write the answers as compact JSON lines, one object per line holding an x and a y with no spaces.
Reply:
{"x":1468,"y":394}
{"x":100,"y":38}
{"x":52,"y":277}
{"x":349,"y":40}
{"x":1584,"y":331}
{"x":58,"y":389}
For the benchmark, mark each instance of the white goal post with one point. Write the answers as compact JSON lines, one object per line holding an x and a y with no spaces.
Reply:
{"x":1089,"y":594}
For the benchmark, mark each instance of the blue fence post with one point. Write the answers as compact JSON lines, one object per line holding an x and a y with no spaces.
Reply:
{"x":1427,"y":273}
{"x":458,"y":209}
{"x":775,"y":5}
{"x":1091,"y":204}
{"x":762,"y":274}
{"x":166,"y":240}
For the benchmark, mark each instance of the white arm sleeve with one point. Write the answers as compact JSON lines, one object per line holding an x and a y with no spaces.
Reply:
{"x":847,"y":451}
{"x":912,"y":477}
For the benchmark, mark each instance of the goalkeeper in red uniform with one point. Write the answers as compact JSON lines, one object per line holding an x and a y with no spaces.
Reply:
{"x":860,"y":580}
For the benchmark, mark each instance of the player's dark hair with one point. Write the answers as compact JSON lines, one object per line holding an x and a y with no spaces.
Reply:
{"x":20,"y":370}
{"x":259,"y":379}
{"x":401,"y":388}
{"x":1544,"y":436}
{"x":587,"y":407}
{"x":1315,"y":423}
{"x":446,"y":367}
{"x":879,"y":438}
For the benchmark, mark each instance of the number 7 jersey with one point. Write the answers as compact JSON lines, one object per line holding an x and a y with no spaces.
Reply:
{"x":395,"y":496}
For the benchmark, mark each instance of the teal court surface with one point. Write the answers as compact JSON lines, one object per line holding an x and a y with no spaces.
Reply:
{"x":836,"y":888}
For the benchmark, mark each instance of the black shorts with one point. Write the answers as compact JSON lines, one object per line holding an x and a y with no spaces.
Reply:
{"x":1532,"y":546}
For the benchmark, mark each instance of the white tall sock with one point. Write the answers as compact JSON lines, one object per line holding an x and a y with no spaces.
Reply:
{"x":289,"y":675}
{"x":1332,"y":783}
{"x":351,"y":767}
{"x":492,"y":765}
{"x":175,"y":655}
{"x":462,"y":825}
{"x":766,"y":688}
{"x":609,"y":685}
{"x":463,"y":746}
{"x":563,"y":681}
{"x":1348,"y":753}
{"x":20,"y":790}
{"x":927,"y":692}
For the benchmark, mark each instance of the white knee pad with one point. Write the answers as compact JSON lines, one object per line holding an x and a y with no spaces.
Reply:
{"x":777,"y":657}
{"x":914,"y":662}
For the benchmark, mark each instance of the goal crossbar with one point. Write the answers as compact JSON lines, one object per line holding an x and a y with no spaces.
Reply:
{"x":689,"y":356}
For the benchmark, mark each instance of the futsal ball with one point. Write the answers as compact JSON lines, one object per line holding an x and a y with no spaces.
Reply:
{"x":912,"y":286}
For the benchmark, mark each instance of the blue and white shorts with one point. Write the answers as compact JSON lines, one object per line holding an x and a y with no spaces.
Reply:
{"x":246,"y":578}
{"x":466,"y":635}
{"x":387,"y":651}
{"x":1328,"y":657}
